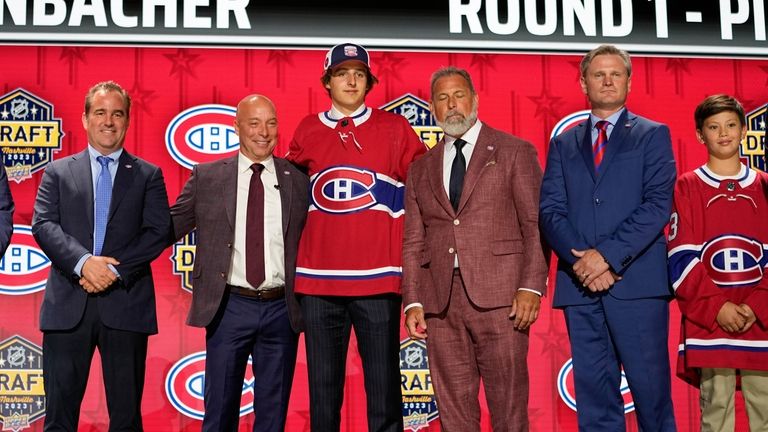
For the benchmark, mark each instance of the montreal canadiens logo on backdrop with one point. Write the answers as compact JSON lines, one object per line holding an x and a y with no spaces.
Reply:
{"x":185,"y":385}
{"x":568,"y":122}
{"x":345,"y":189}
{"x":24,"y":267}
{"x":752,"y":147}
{"x":203,"y":133}
{"x":565,"y":387}
{"x":419,"y":404}
{"x":417,"y":112}
{"x":734,"y":260}
{"x":22,"y":398}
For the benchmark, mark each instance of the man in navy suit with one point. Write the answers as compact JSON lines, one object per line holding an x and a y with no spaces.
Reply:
{"x":101,"y":216}
{"x":605,"y":199}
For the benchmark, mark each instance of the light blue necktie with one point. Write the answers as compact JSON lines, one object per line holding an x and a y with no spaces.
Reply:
{"x":101,"y":208}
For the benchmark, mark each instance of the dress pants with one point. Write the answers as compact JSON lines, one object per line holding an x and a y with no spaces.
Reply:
{"x":718,"y":393}
{"x":611,"y":333}
{"x":246,"y":326}
{"x":376,"y":321}
{"x":67,"y":357}
{"x":467,"y":343}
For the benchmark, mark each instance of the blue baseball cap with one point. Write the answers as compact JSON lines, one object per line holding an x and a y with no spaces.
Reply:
{"x":345,"y":52}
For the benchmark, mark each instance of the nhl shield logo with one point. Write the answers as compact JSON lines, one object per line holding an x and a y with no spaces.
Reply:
{"x":417,"y":112}
{"x":752,"y":149}
{"x":22,"y":398}
{"x":183,"y":259}
{"x":419,"y":404}
{"x":29,"y":134}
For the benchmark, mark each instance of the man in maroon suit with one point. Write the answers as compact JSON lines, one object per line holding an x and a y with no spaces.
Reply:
{"x":473,"y":266}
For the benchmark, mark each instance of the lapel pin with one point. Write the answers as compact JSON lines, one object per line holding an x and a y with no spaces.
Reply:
{"x":627,"y":125}
{"x":287,"y":172}
{"x":129,"y":166}
{"x":490,"y":147}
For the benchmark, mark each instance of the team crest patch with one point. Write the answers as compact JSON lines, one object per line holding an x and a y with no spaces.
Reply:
{"x":752,"y":149}
{"x":24,"y":267}
{"x":29,"y":134}
{"x":565,"y":387}
{"x":183,"y":259}
{"x":417,"y":112}
{"x":203,"y":133}
{"x":185,"y":386}
{"x":22,"y":398}
{"x":734,"y":260}
{"x":419,"y":404}
{"x":348,"y":189}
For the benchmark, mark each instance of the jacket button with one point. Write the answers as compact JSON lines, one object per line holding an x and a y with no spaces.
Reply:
{"x":451,"y":250}
{"x":455,"y":221}
{"x":229,"y":245}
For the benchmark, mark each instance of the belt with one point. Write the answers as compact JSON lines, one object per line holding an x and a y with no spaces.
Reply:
{"x":261,"y":295}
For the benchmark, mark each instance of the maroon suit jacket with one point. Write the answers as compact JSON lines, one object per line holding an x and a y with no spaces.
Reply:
{"x":495,"y":230}
{"x":208,"y":202}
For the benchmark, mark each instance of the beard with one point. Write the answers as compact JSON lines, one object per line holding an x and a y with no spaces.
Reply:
{"x":456,"y":123}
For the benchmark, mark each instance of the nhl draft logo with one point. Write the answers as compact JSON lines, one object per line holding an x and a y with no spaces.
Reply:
{"x":22,"y":398}
{"x":203,"y":133}
{"x":752,"y":149}
{"x":185,"y":386}
{"x":24,"y":268}
{"x":568,"y":122}
{"x":183,"y":259}
{"x":565,"y":387}
{"x":417,"y":112}
{"x":29,"y":134}
{"x":419,"y":405}
{"x":346,"y":189}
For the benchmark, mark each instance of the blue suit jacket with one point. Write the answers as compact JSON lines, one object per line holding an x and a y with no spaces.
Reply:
{"x":621,"y":211}
{"x":137,"y":231}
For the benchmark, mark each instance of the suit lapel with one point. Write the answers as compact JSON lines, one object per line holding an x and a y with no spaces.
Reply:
{"x":80,"y":168}
{"x":435,"y":175}
{"x":616,"y":140}
{"x":229,"y":186}
{"x":482,"y":156}
{"x":584,"y":143}
{"x":126,"y":171}
{"x":286,"y":191}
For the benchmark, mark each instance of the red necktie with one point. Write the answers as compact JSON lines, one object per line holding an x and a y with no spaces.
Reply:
{"x":598,"y":148}
{"x":254,"y":229}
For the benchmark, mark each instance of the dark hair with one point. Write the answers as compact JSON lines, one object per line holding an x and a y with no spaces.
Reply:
{"x":716,"y":104}
{"x":448,"y":71}
{"x":107,"y":86}
{"x":370,"y":79}
{"x":605,"y":50}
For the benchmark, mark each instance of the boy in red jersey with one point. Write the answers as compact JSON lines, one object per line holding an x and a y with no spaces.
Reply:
{"x":718,"y":251}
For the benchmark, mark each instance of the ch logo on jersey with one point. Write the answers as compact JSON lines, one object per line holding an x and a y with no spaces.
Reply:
{"x":183,"y":259}
{"x":569,"y":122}
{"x":734,"y":260}
{"x":22,"y":398}
{"x":29,"y":134}
{"x":24,"y":268}
{"x":565,"y":387}
{"x":185,"y":386}
{"x":752,"y":149}
{"x":419,"y":404}
{"x":417,"y":112}
{"x":344,"y":189}
{"x":203,"y":133}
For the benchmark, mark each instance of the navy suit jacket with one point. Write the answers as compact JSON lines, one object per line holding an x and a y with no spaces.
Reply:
{"x":620,"y":211}
{"x":137,"y":231}
{"x":6,"y":212}
{"x":208,"y":202}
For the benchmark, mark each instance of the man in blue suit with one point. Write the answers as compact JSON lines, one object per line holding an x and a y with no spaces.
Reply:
{"x":605,"y":199}
{"x":101,"y":216}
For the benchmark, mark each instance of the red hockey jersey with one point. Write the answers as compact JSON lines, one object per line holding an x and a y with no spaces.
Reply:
{"x":352,"y":242}
{"x":718,"y":252}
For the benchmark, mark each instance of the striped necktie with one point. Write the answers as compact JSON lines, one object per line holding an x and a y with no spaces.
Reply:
{"x":598,"y":148}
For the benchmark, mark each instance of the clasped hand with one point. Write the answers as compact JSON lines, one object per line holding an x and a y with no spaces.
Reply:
{"x":735,"y":318}
{"x":96,"y":276}
{"x":593,"y":271}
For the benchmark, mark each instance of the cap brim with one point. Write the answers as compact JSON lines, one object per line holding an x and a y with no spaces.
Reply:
{"x":348,"y":63}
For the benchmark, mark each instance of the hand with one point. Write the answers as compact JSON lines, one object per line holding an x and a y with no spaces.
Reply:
{"x":415,"y":323}
{"x":97,"y":272}
{"x":89,"y":287}
{"x":590,"y":265}
{"x":730,"y":319}
{"x":604,"y":282}
{"x":525,"y":309}
{"x":749,"y":316}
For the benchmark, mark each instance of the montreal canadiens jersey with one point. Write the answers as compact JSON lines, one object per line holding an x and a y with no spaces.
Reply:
{"x":352,"y":241}
{"x":718,"y":252}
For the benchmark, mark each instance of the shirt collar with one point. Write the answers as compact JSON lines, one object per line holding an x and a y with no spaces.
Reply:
{"x":95,"y":153}
{"x":335,"y":114}
{"x":611,"y":119}
{"x":470,"y":136}
{"x":244,"y":164}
